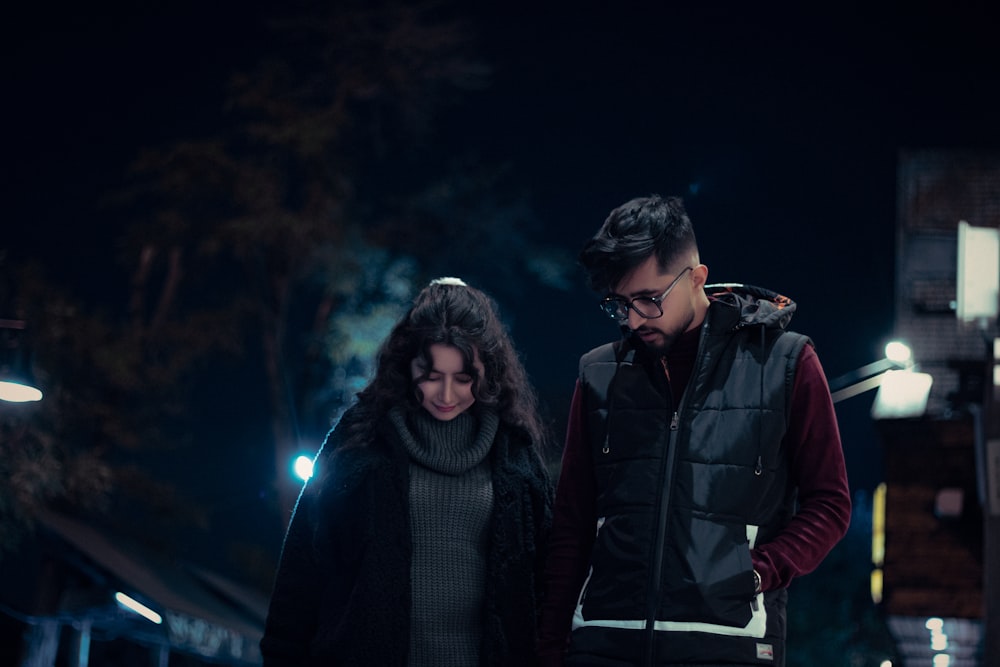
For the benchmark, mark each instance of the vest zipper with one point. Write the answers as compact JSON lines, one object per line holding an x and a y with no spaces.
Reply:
{"x":667,"y":477}
{"x":653,"y":599}
{"x":758,"y":468}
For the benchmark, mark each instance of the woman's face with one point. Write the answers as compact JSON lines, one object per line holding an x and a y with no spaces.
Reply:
{"x":445,"y":386}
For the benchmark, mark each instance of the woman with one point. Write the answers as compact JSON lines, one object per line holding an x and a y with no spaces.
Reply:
{"x":420,"y":539}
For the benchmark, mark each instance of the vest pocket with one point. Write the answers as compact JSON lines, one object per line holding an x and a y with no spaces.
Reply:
{"x":615,"y":587}
{"x":708,"y":578}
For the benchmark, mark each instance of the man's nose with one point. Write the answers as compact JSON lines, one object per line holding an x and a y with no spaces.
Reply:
{"x":635,"y":320}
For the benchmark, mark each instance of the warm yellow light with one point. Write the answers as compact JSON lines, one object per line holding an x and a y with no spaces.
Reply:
{"x":876,"y":585}
{"x":878,"y":525}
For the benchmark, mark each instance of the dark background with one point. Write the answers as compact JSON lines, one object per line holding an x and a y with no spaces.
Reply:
{"x":780,"y":126}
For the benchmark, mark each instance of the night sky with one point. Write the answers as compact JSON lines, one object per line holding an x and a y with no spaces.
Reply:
{"x":780,"y":128}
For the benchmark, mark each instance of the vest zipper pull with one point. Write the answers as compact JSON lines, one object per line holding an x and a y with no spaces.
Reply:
{"x":605,"y":449}
{"x":673,"y":422}
{"x":758,"y":467}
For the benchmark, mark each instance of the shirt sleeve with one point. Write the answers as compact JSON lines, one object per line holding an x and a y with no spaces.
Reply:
{"x":816,"y":460}
{"x":573,"y":528}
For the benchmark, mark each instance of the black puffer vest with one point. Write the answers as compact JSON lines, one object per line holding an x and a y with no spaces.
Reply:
{"x":685,"y":491}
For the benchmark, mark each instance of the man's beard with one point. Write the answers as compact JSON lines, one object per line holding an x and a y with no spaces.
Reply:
{"x":667,"y":338}
{"x":661,"y":349}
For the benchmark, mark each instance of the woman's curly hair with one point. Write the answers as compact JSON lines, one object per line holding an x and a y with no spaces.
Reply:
{"x":450,"y":312}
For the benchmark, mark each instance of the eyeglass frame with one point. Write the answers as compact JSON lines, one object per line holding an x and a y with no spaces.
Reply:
{"x":630,"y":303}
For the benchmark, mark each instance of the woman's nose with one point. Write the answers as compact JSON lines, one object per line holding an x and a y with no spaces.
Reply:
{"x":447,"y":391}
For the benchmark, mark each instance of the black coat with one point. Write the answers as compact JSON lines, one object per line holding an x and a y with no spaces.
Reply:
{"x":342,"y":591}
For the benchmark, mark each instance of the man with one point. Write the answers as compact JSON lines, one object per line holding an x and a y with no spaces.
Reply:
{"x":703,"y":468}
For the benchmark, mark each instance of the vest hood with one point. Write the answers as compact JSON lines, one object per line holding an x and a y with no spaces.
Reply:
{"x":750,"y":306}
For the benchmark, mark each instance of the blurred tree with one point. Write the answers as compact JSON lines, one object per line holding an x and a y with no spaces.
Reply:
{"x":292,"y":236}
{"x":328,"y":195}
{"x":112,"y":385}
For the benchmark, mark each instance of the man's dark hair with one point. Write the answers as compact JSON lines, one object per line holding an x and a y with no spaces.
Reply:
{"x":633,"y":233}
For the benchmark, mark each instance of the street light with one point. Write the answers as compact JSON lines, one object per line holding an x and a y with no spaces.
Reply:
{"x":902,"y":391}
{"x":17,"y":382}
{"x":303,"y":467}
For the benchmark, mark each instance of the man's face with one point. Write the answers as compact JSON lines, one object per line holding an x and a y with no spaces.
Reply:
{"x":679,"y":306}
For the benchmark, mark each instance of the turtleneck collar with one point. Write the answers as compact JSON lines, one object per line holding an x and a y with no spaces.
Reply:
{"x":450,"y":447}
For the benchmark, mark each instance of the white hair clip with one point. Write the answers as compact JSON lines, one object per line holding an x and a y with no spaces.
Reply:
{"x":448,"y":280}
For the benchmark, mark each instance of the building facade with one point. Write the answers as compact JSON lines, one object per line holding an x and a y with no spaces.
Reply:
{"x":938,"y":587}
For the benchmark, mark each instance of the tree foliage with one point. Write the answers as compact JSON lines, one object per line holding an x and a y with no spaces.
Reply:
{"x":291,"y":236}
{"x":112,"y":385}
{"x":330,"y":194}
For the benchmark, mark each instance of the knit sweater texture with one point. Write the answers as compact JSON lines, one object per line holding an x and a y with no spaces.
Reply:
{"x":451,"y":499}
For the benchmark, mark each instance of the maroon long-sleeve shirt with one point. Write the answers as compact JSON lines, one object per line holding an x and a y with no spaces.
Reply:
{"x":816,"y":465}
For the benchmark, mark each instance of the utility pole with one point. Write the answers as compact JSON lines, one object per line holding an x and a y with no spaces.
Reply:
{"x":978,"y":304}
{"x":989,"y":480}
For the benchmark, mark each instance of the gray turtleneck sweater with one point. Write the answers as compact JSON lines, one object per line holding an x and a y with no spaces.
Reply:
{"x":451,"y":501}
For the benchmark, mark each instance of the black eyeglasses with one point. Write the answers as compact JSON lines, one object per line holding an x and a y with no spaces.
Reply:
{"x":616,"y":307}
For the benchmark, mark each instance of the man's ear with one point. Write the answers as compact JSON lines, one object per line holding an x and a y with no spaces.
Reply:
{"x":699,"y":276}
